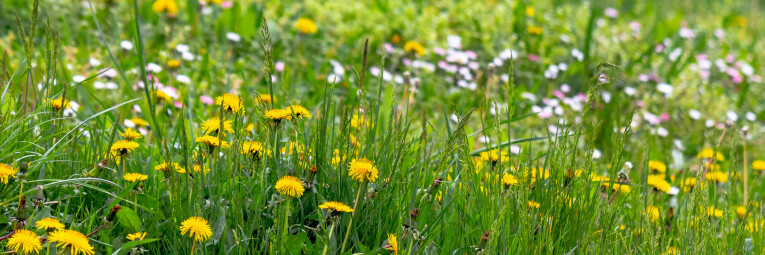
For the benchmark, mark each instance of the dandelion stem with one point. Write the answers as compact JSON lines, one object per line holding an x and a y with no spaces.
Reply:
{"x":353,"y":214}
{"x":193,"y":245}
{"x":285,"y":226}
{"x":329,"y":238}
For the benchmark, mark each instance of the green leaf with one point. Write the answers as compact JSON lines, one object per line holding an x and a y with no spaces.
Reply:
{"x":129,"y":219}
{"x":128,"y":246}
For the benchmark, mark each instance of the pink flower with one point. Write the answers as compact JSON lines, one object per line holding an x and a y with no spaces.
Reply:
{"x":227,"y":4}
{"x":279,"y":66}
{"x":558,"y":94}
{"x":533,"y":57}
{"x":737,"y":79}
{"x":406,"y":61}
{"x":664,"y":117}
{"x":439,"y":51}
{"x":206,"y":100}
{"x":178,"y":104}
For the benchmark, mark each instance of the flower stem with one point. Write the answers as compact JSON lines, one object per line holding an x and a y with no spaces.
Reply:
{"x":329,"y":238}
{"x":285,"y":227}
{"x":193,"y":245}
{"x":350,"y":223}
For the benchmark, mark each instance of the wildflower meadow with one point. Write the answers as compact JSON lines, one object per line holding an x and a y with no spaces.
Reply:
{"x":382,"y":127}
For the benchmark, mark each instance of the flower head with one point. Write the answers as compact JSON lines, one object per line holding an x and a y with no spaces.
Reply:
{"x":333,"y":206}
{"x":49,"y":224}
{"x":709,"y":153}
{"x":24,"y":242}
{"x":264,"y":99}
{"x":392,"y":244}
{"x":305,"y":26}
{"x":197,"y":227}
{"x":230,"y":103}
{"x":170,"y":166}
{"x":741,"y":211}
{"x":362,"y":170}
{"x":162,"y":96}
{"x":135,"y":177}
{"x":130,"y":134}
{"x":173,"y":63}
{"x":414,"y":47}
{"x":509,"y":180}
{"x":758,"y":165}
{"x":657,"y":166}
{"x":358,"y":121}
{"x":58,"y":103}
{"x":255,"y":149}
{"x":494,"y":156}
{"x":6,"y":173}
{"x":71,"y":240}
{"x":277,"y":115}
{"x":653,"y":213}
{"x":211,"y":141}
{"x":658,"y":183}
{"x":712,"y":211}
{"x":299,"y":111}
{"x":198,"y":169}
{"x":213,"y":126}
{"x":124,"y":147}
{"x":533,"y":205}
{"x":165,"y":6}
{"x":139,"y":122}
{"x":290,"y":186}
{"x":136,"y":236}
{"x":717,"y":176}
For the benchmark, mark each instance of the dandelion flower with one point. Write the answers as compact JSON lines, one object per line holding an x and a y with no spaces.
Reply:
{"x":712,"y":211}
{"x":392,"y":244}
{"x":335,"y":207}
{"x":165,"y":6}
{"x":211,"y":141}
{"x":253,"y":148}
{"x":264,"y":99}
{"x":758,"y":165}
{"x":197,"y":227}
{"x":277,"y":115}
{"x":58,"y":103}
{"x":414,"y":47}
{"x":534,"y":30}
{"x":136,"y":236}
{"x":657,"y":166}
{"x":6,"y":173}
{"x":173,"y":63}
{"x":139,"y":122}
{"x":671,"y":251}
{"x":49,"y":224}
{"x":213,"y":126}
{"x":198,"y":169}
{"x":71,"y":240}
{"x":362,"y":170}
{"x":653,"y":213}
{"x":24,"y":242}
{"x":135,"y":177}
{"x":130,"y":134}
{"x":299,"y":111}
{"x":230,"y":103}
{"x":249,"y":128}
{"x":123,"y":147}
{"x":509,"y":180}
{"x":358,"y":121}
{"x":170,"y":166}
{"x":709,"y":153}
{"x":741,"y":211}
{"x":162,"y":96}
{"x":494,"y":156}
{"x":533,"y":205}
{"x":290,"y":186}
{"x":305,"y":26}
{"x":717,"y":176}
{"x":658,"y":183}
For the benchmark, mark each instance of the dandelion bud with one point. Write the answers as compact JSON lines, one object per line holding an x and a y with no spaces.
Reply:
{"x":490,"y":72}
{"x":110,"y":217}
{"x":745,"y":130}
{"x":313,"y":169}
{"x":728,"y":124}
{"x":21,"y":211}
{"x":39,"y":196}
{"x":415,"y":212}
{"x":23,"y":167}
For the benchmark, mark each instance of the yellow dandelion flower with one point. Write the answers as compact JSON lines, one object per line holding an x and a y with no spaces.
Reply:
{"x":255,"y":149}
{"x":653,"y":213}
{"x":414,"y":47}
{"x":709,"y":153}
{"x":130,"y":134}
{"x":198,"y":169}
{"x":24,"y":242}
{"x":170,"y":166}
{"x":533,"y":205}
{"x":75,"y":242}
{"x":264,"y":99}
{"x":197,"y":228}
{"x":754,"y":225}
{"x":530,"y":11}
{"x":250,"y":127}
{"x":173,"y":64}
{"x":58,"y":103}
{"x":741,"y":211}
{"x":123,"y":147}
{"x":299,"y":111}
{"x":539,"y":173}
{"x":359,"y":121}
{"x":509,"y":180}
{"x":135,"y":177}
{"x":305,"y":26}
{"x":213,"y":126}
{"x":333,"y":206}
{"x":657,"y":166}
{"x":534,"y":30}
{"x":290,"y":186}
{"x":230,"y":103}
{"x":165,"y":6}
{"x":392,"y":244}
{"x":139,"y":122}
{"x":6,"y":173}
{"x":211,"y":141}
{"x":712,"y":211}
{"x":671,"y":251}
{"x":136,"y":236}
{"x":658,"y":183}
{"x":49,"y":224}
{"x":362,"y":170}
{"x":337,"y":159}
{"x":758,"y":165}
{"x":494,"y":156}
{"x":277,"y":115}
{"x":717,"y":176}
{"x":162,"y":96}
